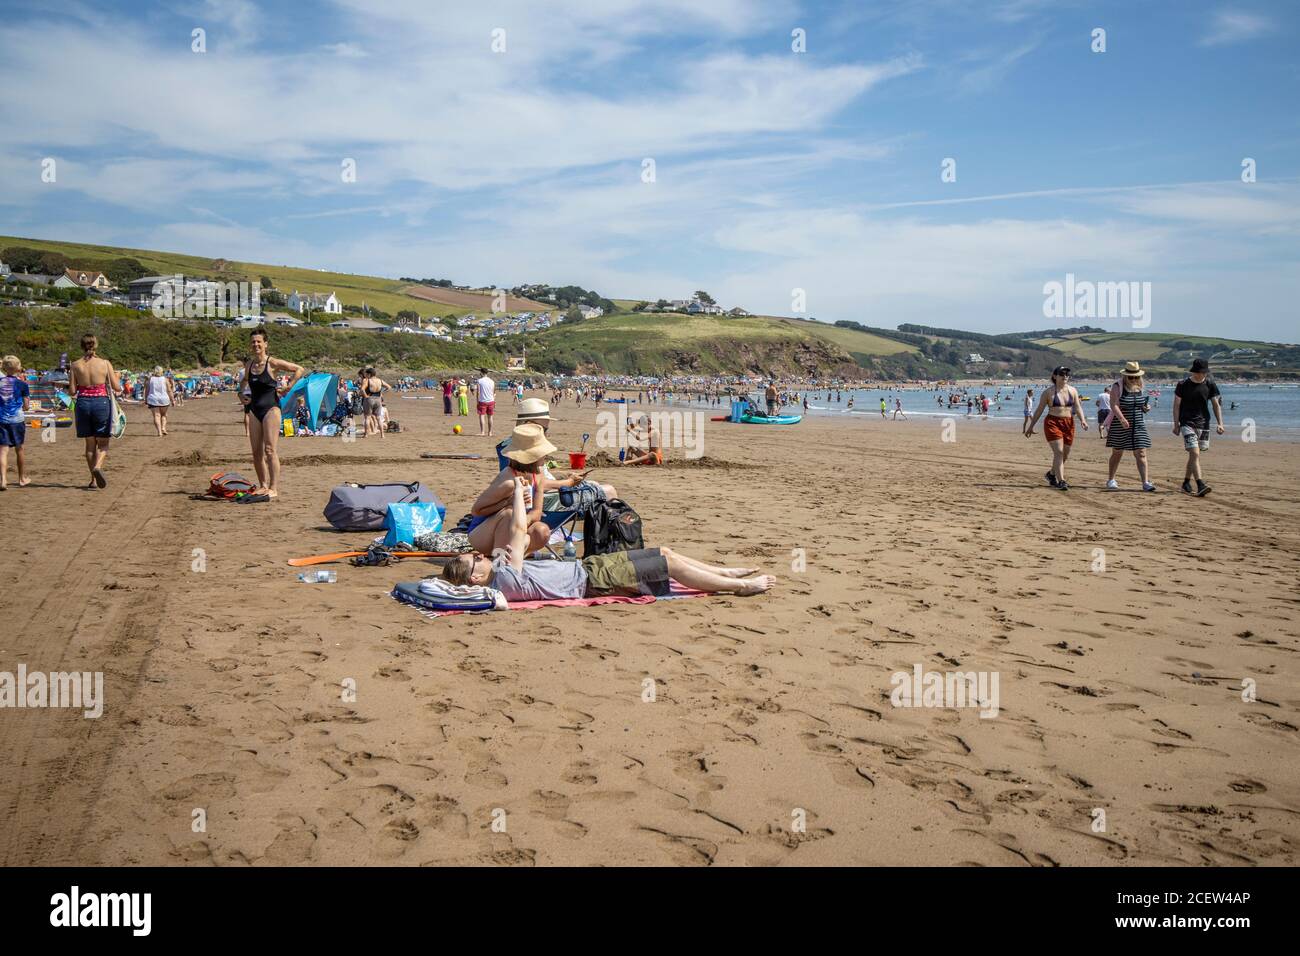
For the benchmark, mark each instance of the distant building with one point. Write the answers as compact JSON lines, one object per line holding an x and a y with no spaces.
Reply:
{"x":82,"y":279}
{"x":31,"y":278}
{"x":315,"y":302}
{"x":590,"y":312}
{"x":4,"y":271}
{"x":974,"y":359}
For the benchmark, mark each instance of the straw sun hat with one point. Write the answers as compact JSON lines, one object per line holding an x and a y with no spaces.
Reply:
{"x":528,"y":444}
{"x":1132,"y":370}
{"x":532,"y":409}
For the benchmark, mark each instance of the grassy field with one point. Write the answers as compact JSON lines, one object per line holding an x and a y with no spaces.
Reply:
{"x":851,"y":340}
{"x":380,"y":293}
{"x":1139,"y":346}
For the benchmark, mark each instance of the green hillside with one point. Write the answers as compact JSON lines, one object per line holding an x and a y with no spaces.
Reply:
{"x":656,"y":343}
{"x":624,"y":342}
{"x":134,"y":340}
{"x":355,"y":290}
{"x":1170,"y":351}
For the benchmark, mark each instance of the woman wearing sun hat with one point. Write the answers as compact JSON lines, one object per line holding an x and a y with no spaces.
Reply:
{"x":490,"y":524}
{"x":1128,"y":428}
{"x":537,"y":411}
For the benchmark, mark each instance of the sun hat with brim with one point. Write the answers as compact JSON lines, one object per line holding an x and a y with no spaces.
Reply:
{"x":1132,"y":370}
{"x":532,"y":409}
{"x":528,"y":444}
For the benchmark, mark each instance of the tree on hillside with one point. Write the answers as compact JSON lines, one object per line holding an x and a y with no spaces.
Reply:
{"x":267,"y":283}
{"x":409,"y":315}
{"x":573,"y":315}
{"x":640,"y":306}
{"x":25,"y":259}
{"x":122,"y":272}
{"x":704,"y":297}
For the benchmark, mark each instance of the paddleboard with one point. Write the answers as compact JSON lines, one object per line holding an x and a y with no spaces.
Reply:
{"x":344,"y":555}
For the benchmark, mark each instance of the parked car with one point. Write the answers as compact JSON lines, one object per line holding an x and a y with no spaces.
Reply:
{"x":339,"y":325}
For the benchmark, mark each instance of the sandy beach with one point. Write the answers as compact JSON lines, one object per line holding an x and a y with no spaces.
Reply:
{"x":1120,"y":691}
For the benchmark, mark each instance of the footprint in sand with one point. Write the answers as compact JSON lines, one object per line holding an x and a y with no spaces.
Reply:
{"x":684,"y":850}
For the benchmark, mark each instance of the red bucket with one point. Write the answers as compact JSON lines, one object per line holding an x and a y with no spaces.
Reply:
{"x":577,"y":460}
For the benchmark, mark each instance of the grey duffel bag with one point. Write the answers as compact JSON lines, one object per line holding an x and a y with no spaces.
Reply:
{"x":355,"y":507}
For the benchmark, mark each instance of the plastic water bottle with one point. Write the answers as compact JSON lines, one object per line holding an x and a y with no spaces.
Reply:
{"x":570,"y":552}
{"x":323,"y":576}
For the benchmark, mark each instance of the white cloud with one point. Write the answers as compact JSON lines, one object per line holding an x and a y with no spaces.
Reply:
{"x":1235,"y":26}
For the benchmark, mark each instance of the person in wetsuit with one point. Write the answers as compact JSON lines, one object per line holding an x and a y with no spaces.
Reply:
{"x":263,"y":402}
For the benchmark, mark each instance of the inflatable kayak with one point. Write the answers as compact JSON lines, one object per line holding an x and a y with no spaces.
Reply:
{"x":749,"y":418}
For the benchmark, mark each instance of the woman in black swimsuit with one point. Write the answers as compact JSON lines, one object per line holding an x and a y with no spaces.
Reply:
{"x":263,"y":403}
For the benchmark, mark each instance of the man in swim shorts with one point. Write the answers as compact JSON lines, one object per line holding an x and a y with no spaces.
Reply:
{"x":1193,"y":398}
{"x":487,"y":404}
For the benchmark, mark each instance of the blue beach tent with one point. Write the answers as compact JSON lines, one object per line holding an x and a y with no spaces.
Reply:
{"x":321,"y":390}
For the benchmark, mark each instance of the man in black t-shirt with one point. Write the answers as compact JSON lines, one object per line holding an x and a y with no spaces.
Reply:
{"x":1193,"y":399}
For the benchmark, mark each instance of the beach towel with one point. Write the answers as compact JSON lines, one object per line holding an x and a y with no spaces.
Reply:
{"x":461,"y":596}
{"x":409,"y":593}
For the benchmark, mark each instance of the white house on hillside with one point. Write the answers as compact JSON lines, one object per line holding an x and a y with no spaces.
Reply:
{"x":315,"y":301}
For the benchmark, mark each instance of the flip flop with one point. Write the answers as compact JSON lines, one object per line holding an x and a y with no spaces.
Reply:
{"x":100,"y":480}
{"x":252,"y":499}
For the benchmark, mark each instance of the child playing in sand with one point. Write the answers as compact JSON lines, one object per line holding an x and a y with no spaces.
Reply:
{"x":652,"y":453}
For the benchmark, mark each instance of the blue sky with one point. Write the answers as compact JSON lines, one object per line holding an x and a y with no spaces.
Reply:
{"x":774,"y":170}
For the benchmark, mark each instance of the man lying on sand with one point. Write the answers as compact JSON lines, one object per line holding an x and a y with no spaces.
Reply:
{"x":645,"y":571}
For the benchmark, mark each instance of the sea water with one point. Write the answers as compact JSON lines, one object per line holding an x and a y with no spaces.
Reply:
{"x":1274,"y":411}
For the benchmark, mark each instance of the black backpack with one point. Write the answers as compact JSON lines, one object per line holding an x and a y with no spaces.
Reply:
{"x":610,"y":526}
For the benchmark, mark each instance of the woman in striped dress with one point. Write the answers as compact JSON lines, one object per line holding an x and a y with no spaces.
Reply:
{"x":1128,"y":427}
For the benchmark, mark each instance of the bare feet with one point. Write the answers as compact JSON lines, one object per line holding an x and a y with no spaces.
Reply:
{"x":756,"y":585}
{"x":24,"y":482}
{"x":99,"y":480}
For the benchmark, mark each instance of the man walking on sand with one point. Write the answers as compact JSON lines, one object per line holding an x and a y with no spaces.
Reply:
{"x":487,"y":402}
{"x":1192,"y":401}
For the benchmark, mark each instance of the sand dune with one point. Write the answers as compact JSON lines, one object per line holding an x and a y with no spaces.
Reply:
{"x":1119,"y":691}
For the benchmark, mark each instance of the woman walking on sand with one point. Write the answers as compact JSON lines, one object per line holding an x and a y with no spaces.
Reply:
{"x":462,"y":397}
{"x":372,"y":390}
{"x":264,"y":415}
{"x":90,"y":379}
{"x":1128,"y":426}
{"x":160,"y":395}
{"x":1061,"y":402}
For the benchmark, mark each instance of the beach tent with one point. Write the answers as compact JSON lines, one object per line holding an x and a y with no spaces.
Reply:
{"x":321,"y":389}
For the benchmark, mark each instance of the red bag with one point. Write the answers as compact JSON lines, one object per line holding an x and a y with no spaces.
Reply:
{"x":228,"y":484}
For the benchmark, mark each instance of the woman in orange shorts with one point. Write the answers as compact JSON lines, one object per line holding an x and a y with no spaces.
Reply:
{"x":1061,"y":403}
